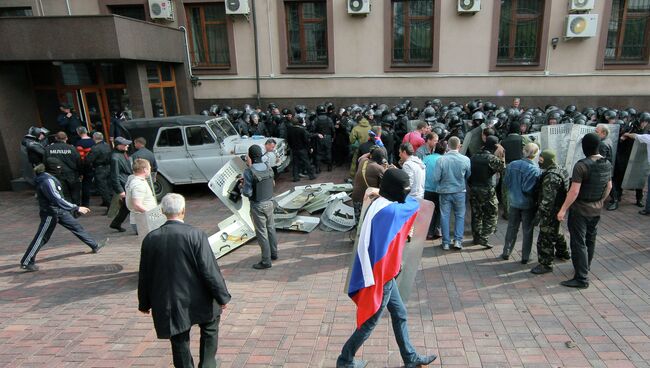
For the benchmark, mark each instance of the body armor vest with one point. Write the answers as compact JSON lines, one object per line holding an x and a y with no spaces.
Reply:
{"x":262,"y":184}
{"x":512,"y":145}
{"x":482,"y":174}
{"x":592,"y":189}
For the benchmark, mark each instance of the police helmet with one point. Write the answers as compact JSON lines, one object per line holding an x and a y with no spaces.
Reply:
{"x":214,"y":109}
{"x":610,"y":114}
{"x":455,"y":121}
{"x":644,"y":117}
{"x":320,"y":109}
{"x":631,"y":111}
{"x":479,"y":115}
{"x":205,"y":113}
{"x":571,"y":109}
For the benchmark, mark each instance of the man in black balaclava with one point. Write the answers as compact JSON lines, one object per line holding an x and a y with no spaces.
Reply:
{"x":590,"y":185}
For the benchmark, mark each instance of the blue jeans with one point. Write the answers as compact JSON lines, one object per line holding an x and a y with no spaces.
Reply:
{"x":457,"y":201}
{"x":393,"y":301}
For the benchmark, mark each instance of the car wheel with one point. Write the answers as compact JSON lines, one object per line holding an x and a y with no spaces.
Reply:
{"x":161,"y":187}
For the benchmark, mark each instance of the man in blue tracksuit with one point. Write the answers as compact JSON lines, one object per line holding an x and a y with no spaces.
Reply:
{"x":54,"y":209}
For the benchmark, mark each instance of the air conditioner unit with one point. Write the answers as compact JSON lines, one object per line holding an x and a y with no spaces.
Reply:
{"x":581,"y":25}
{"x":237,"y":7}
{"x":358,"y":6}
{"x":161,"y":9}
{"x":580,"y":5}
{"x":469,"y":6}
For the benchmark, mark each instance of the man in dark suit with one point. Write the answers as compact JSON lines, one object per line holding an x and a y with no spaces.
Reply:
{"x":181,"y":284}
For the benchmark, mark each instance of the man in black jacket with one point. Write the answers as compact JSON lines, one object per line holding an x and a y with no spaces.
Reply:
{"x":298,"y":141}
{"x":181,"y":284}
{"x":100,"y":160}
{"x":120,"y":171}
{"x":70,"y":161}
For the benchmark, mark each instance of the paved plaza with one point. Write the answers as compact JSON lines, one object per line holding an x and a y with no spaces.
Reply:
{"x":469,"y":307}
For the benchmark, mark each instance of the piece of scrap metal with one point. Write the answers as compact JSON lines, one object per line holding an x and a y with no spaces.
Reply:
{"x":637,"y":167}
{"x":233,"y":234}
{"x":148,"y":221}
{"x":338,"y":216}
{"x":304,"y":224}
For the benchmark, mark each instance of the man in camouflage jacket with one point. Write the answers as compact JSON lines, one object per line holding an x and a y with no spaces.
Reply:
{"x":554,"y":184}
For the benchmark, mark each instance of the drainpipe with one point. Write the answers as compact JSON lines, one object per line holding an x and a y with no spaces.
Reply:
{"x":67,"y":5}
{"x":257,"y":58}
{"x":187,"y":52}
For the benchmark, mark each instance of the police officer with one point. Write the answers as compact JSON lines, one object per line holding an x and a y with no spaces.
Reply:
{"x":70,"y":162}
{"x":54,"y":209}
{"x":483,"y":196}
{"x":99,"y":159}
{"x":68,"y":121}
{"x":258,"y":187}
{"x":590,"y":185}
{"x":120,"y":171}
{"x":554,"y":184}
{"x":324,"y":128}
{"x":35,"y":142}
{"x":298,"y":141}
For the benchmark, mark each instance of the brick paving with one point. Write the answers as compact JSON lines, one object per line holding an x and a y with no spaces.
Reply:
{"x":469,"y":307}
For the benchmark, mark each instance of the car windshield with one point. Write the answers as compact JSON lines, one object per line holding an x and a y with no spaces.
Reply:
{"x":222,"y":128}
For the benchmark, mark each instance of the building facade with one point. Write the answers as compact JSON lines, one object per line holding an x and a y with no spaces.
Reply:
{"x":309,"y":51}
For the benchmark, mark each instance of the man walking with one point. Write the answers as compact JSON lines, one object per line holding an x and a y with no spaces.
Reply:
{"x":591,"y":182}
{"x":120,"y":171}
{"x":643,"y":138}
{"x":520,"y":180}
{"x":181,"y":285}
{"x":384,"y":232}
{"x":141,"y":151}
{"x":99,"y":158}
{"x":70,"y":162}
{"x":483,"y":196}
{"x":84,"y":146}
{"x":139,"y":196}
{"x":258,"y":187}
{"x":554,"y":186}
{"x":450,"y":174}
{"x":53,"y":209}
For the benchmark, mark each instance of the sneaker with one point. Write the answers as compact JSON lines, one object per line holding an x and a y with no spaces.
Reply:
{"x":118,"y":228}
{"x":356,"y":363}
{"x":100,"y":245}
{"x":445,"y":246}
{"x":575,"y":284}
{"x":505,"y":257}
{"x":421,"y":360}
{"x":541,"y":269}
{"x":488,"y":245}
{"x":644,"y":213}
{"x":32,"y":267}
{"x":612,"y":206}
{"x":274,"y":257}
{"x":458,"y":245}
{"x":639,"y":203}
{"x":261,"y":266}
{"x":303,"y":175}
{"x":524,"y":261}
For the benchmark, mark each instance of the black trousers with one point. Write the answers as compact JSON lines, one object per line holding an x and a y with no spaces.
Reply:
{"x":583,"y":232}
{"x":324,"y":152}
{"x":102,"y":175}
{"x":71,"y":188}
{"x":121,"y":215}
{"x":45,"y":229}
{"x":434,"y":225}
{"x":86,"y":188}
{"x":207,"y":350}
{"x":300,"y":162}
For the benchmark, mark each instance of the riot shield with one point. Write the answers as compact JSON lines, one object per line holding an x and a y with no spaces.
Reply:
{"x":556,"y":138}
{"x":411,"y":125}
{"x":575,"y":153}
{"x":412,"y":253}
{"x":637,"y":167}
{"x":614,"y":133}
{"x":473,"y":140}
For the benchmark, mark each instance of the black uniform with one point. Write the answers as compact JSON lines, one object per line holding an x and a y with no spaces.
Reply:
{"x":69,"y":125}
{"x":53,"y":209}
{"x":100,"y":159}
{"x":120,"y":171}
{"x":298,"y":141}
{"x":341,"y":141}
{"x":35,"y":149}
{"x":70,"y":161}
{"x":324,"y":126}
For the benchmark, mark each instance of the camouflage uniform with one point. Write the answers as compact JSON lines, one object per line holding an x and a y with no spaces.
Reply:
{"x":554,"y":186}
{"x":483,"y":200}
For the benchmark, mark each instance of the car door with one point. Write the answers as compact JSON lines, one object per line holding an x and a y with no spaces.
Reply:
{"x":204,"y":150}
{"x":174,"y":160}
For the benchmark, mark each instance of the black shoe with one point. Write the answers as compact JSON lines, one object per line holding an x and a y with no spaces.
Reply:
{"x":32,"y":267}
{"x":329,"y":167}
{"x":575,"y":284}
{"x":541,"y":269}
{"x":295,"y":180}
{"x":312,"y":177}
{"x":100,"y":245}
{"x":612,"y":206}
{"x":274,"y":257}
{"x":261,"y":266}
{"x":118,"y":228}
{"x":639,"y":203}
{"x":505,"y":257}
{"x":356,"y":363}
{"x":563,"y":257}
{"x":504,"y":216}
{"x":422,"y":360}
{"x":524,"y":261}
{"x":488,"y":245}
{"x":644,"y":213}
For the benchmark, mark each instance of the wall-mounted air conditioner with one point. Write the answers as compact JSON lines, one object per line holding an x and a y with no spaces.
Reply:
{"x":358,"y":6}
{"x":580,"y":5}
{"x":237,"y":7}
{"x":469,"y":6}
{"x":161,"y":9}
{"x":581,"y":25}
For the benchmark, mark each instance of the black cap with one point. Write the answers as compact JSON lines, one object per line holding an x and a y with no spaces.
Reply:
{"x":255,"y":153}
{"x":590,"y":143}
{"x":491,"y":143}
{"x":395,"y":185}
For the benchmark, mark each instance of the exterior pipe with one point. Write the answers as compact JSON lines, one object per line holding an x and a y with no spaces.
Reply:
{"x":187,"y":51}
{"x":67,"y":4}
{"x":257,"y":58}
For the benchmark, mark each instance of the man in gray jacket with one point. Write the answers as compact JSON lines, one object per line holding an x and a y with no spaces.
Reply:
{"x":120,"y":171}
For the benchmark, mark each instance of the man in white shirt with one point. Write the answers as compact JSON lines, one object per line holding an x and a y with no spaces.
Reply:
{"x":139,"y":196}
{"x":270,"y":157}
{"x":643,"y":138}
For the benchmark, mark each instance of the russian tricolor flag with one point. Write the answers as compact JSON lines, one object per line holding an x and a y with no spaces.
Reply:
{"x":383,"y":233}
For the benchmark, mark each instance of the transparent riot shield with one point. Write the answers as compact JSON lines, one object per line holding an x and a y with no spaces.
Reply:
{"x":637,"y":167}
{"x":556,"y":138}
{"x":575,"y":154}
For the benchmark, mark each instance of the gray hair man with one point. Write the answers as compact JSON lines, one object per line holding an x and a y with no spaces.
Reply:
{"x":605,"y":148}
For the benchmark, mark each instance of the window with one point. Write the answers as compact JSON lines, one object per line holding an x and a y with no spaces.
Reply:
{"x":16,"y":12}
{"x":172,"y":137}
{"x":412,"y":32}
{"x":521,"y":32}
{"x":209,"y":42}
{"x":627,"y":33}
{"x":307,"y":38}
{"x":198,"y":135}
{"x":129,"y":11}
{"x":162,"y":90}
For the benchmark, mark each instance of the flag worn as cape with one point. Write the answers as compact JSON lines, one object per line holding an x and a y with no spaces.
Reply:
{"x":379,"y":254}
